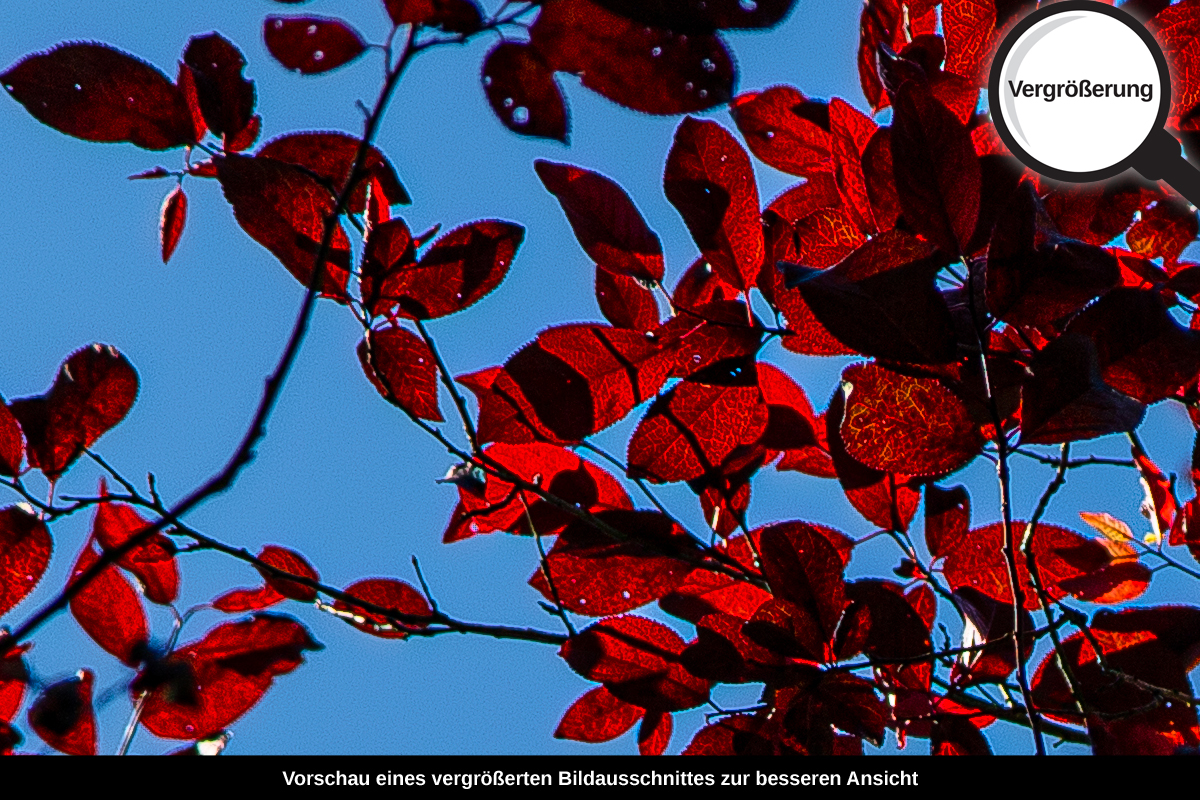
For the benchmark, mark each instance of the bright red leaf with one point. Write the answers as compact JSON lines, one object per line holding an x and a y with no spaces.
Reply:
{"x":152,"y":561}
{"x":171,"y":221}
{"x":12,"y":443}
{"x":597,"y":716}
{"x":109,"y":610}
{"x":396,"y":596}
{"x":784,"y":129}
{"x":625,"y":302}
{"x":402,"y":368}
{"x":25,"y":546}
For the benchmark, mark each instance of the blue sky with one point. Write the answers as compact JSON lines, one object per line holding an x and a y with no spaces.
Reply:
{"x":343,"y":477}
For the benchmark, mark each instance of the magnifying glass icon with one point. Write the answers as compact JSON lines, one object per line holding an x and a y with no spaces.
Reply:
{"x":1080,"y":91}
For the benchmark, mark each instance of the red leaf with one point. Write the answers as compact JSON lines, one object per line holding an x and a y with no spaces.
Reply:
{"x":14,"y":675}
{"x":185,"y":79}
{"x":726,"y":737}
{"x":283,"y":208}
{"x":597,"y":575}
{"x":969,"y":25}
{"x":894,"y":422}
{"x":389,"y":248}
{"x":791,"y":422}
{"x":1160,"y":492}
{"x":1164,"y":230}
{"x":172,"y":219}
{"x":1065,"y":399}
{"x":784,"y":129}
{"x":879,"y":176}
{"x":936,"y":169}
{"x":882,"y":300}
{"x":881,"y":622}
{"x":704,"y":592}
{"x":93,"y":391}
{"x":643,"y":67}
{"x":63,"y":716}
{"x":955,"y":735}
{"x":803,"y":567}
{"x":576,"y":380}
{"x":695,"y":426}
{"x":109,"y":610}
{"x":710,"y":182}
{"x":239,"y":601}
{"x":203,"y":687}
{"x":1142,"y":351}
{"x":153,"y":561}
{"x":311,"y":45}
{"x":849,"y":133}
{"x":1067,"y":562}
{"x":98,"y":93}
{"x":498,"y":506}
{"x":523,"y":92}
{"x":25,"y":546}
{"x":625,"y":302}
{"x":330,"y":155}
{"x":605,"y":221}
{"x":402,"y":368}
{"x":887,"y":22}
{"x":700,"y":285}
{"x":655,"y":733}
{"x":1096,"y":213}
{"x":637,"y":660}
{"x":1154,"y":647}
{"x":690,"y":18}
{"x":292,"y":563}
{"x":947,"y":518}
{"x":246,"y":137}
{"x":597,"y":717}
{"x":452,"y":16}
{"x":459,"y":270}
{"x":225,"y":97}
{"x":12,"y":443}
{"x":695,"y":339}
{"x":1177,"y":29}
{"x":396,"y":596}
{"x":883,"y":498}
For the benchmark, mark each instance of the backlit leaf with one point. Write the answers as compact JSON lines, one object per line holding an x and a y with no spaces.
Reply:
{"x":329,"y":155}
{"x":25,"y":546}
{"x":311,"y":45}
{"x":402,"y":368}
{"x":109,"y":610}
{"x":394,"y":595}
{"x":523,"y":92}
{"x":64,"y":718}
{"x":171,"y":221}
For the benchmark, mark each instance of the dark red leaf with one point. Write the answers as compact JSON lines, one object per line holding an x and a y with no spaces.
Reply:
{"x":171,"y":221}
{"x":791,"y":422}
{"x":710,"y":182}
{"x":1035,"y":275}
{"x":152,"y":561}
{"x":292,"y":563}
{"x":389,"y":248}
{"x":625,"y":301}
{"x":1096,"y":213}
{"x":646,"y":68}
{"x":726,"y":737}
{"x":597,"y":575}
{"x":204,"y":686}
{"x":784,"y":129}
{"x":394,"y":595}
{"x":12,"y":443}
{"x":225,"y":97}
{"x":402,"y":368}
{"x":185,"y":79}
{"x":695,"y":426}
{"x":955,"y":735}
{"x":63,"y":715}
{"x":1142,"y":351}
{"x":882,"y":300}
{"x":700,"y":285}
{"x":936,"y":169}
{"x":947,"y":518}
{"x":452,"y":16}
{"x":637,"y":660}
{"x":891,"y":23}
{"x":1066,"y":400}
{"x":497,"y":505}
{"x":804,"y":567}
{"x":1160,"y":492}
{"x":98,"y":93}
{"x":330,"y":155}
{"x":597,"y":716}
{"x":606,"y":222}
{"x":25,"y":547}
{"x":459,"y":270}
{"x":523,"y":92}
{"x":704,"y":17}
{"x":14,"y":675}
{"x":704,"y":592}
{"x":881,"y":622}
{"x":246,"y":137}
{"x":109,"y":610}
{"x":93,"y":391}
{"x":894,"y":423}
{"x":311,"y":45}
{"x":879,"y":176}
{"x":283,"y":208}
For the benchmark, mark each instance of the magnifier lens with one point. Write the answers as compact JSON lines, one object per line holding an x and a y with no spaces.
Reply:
{"x":1080,"y":91}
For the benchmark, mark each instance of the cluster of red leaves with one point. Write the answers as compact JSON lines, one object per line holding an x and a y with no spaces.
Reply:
{"x":988,"y":303}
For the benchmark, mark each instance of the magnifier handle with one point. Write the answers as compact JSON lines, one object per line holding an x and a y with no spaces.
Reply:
{"x":1160,"y":158}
